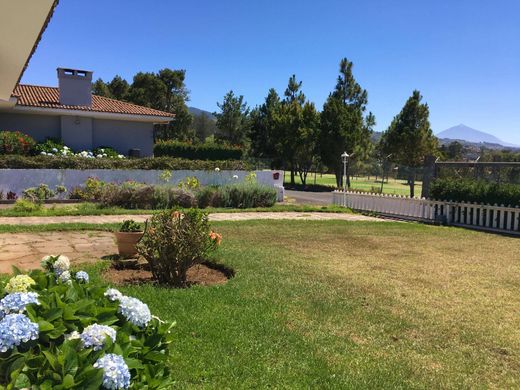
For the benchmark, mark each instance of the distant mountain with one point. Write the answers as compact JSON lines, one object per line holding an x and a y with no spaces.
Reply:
{"x":198,"y":111}
{"x":465,"y":133}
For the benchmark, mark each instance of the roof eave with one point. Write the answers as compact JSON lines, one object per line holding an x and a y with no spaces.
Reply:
{"x":92,"y":114}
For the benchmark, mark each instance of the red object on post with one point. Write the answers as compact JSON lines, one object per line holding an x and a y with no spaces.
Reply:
{"x":276,"y":175}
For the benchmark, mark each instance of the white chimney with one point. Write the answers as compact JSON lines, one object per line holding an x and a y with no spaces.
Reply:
{"x":75,"y":87}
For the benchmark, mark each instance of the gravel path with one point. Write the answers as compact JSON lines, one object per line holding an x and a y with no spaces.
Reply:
{"x":98,"y":219}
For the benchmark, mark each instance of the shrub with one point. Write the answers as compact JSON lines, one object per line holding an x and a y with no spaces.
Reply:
{"x":174,"y":241}
{"x":240,"y":195}
{"x":478,"y":191}
{"x":26,"y":206}
{"x":132,"y":195}
{"x":206,"y":151}
{"x":67,"y":330}
{"x":38,"y":194}
{"x":52,"y":146}
{"x":91,"y":190}
{"x":15,"y":142}
{"x":106,"y":152}
{"x":130,"y":226}
{"x":146,"y":163}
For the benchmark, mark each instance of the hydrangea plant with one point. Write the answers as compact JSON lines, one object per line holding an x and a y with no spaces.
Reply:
{"x":77,"y":335}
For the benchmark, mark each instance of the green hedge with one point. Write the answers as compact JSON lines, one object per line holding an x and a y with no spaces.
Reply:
{"x":148,"y":163}
{"x":208,"y":151}
{"x":460,"y":190}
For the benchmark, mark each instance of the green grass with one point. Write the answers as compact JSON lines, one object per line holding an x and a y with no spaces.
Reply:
{"x":334,"y":305}
{"x":396,"y":187}
{"x":94,"y":209}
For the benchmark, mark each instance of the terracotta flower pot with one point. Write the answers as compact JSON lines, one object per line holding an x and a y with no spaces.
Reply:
{"x":126,"y":242}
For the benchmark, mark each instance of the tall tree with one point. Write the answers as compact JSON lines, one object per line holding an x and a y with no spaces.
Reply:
{"x":100,"y":88}
{"x":344,"y":125}
{"x":204,"y":126}
{"x":232,"y":120}
{"x":306,"y":143}
{"x":409,"y":137}
{"x":263,"y":126}
{"x":148,"y":90}
{"x":119,"y":88}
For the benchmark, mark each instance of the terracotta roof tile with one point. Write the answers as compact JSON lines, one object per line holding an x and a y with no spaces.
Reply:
{"x":49,"y":97}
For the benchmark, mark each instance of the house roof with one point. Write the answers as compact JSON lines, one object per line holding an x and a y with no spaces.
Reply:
{"x":49,"y":97}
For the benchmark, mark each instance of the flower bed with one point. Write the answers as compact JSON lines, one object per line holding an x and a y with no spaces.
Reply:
{"x":59,"y":331}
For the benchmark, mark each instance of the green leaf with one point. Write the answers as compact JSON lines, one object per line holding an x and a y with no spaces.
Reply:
{"x":22,"y":381}
{"x":45,"y":326}
{"x":68,"y":381}
{"x":51,"y":359}
{"x":53,"y":314}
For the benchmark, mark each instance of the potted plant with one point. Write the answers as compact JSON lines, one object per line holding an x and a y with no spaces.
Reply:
{"x":127,"y":237}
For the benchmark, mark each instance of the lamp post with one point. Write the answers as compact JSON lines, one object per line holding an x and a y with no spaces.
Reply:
{"x":383,"y":167}
{"x":344,"y":159}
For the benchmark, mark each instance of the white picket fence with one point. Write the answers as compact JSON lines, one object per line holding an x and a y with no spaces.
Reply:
{"x":480,"y":216}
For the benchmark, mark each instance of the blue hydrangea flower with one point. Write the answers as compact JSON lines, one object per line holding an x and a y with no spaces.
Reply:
{"x":115,"y":372}
{"x":135,"y":311}
{"x":64,"y":277}
{"x":113,"y":295}
{"x":16,"y":329}
{"x":94,"y":336}
{"x":16,"y":302}
{"x":82,"y":277}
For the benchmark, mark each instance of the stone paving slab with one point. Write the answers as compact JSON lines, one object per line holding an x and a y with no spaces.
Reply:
{"x":25,"y":250}
{"x":98,"y":219}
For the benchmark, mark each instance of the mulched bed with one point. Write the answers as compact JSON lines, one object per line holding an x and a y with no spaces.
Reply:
{"x":205,"y":274}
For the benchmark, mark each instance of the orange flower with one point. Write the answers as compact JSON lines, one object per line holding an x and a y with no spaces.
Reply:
{"x":176,"y":214}
{"x":216,"y":237}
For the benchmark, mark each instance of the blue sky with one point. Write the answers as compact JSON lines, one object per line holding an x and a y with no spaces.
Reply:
{"x":464,"y":56}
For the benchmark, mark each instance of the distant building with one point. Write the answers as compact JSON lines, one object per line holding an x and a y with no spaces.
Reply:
{"x":83,"y":121}
{"x":70,"y":111}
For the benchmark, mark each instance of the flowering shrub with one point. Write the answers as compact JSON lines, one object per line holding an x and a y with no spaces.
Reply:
{"x":77,"y":335}
{"x":175,"y":241}
{"x":55,"y":147}
{"x":15,"y":142}
{"x":38,"y":194}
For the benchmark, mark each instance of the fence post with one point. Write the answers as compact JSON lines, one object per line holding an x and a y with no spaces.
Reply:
{"x":428,"y":175}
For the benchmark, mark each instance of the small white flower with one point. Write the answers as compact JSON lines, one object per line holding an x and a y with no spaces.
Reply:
{"x":43,"y":153}
{"x":120,"y":156}
{"x":55,"y":150}
{"x":72,"y":336}
{"x":65,"y":277}
{"x":235,"y":177}
{"x":217,"y":169}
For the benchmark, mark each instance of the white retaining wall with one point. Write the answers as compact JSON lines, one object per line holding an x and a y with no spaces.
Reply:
{"x":17,"y":180}
{"x":486,"y":217}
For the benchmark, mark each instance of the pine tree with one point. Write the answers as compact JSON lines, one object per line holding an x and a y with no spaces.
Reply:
{"x":100,"y":88}
{"x":344,"y":126}
{"x":233,"y":120}
{"x":409,"y":137}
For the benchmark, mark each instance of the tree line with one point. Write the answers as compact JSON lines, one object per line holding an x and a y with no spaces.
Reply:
{"x":288,"y":129}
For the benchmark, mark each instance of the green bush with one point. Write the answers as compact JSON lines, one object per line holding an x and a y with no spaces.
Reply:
{"x":16,"y":143}
{"x":174,"y":241}
{"x":66,"y":328}
{"x":38,"y":194}
{"x":240,"y":195}
{"x":477,"y":191}
{"x":130,"y":226}
{"x":146,"y":163}
{"x":26,"y":206}
{"x":206,"y":151}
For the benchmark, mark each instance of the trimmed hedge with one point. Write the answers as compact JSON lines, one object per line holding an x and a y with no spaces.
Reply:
{"x":213,"y":152}
{"x":460,"y":190}
{"x":147,"y":163}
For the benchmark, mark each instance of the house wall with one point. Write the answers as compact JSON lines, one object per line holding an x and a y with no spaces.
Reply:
{"x":37,"y":126}
{"x":123,"y":135}
{"x":76,"y":132}
{"x":81,"y":133}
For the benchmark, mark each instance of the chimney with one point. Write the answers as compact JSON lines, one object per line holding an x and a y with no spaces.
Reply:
{"x":75,"y":87}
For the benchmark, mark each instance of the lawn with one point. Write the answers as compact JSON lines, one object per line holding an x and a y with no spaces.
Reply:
{"x":87,"y":208}
{"x":349,"y":305}
{"x":397,"y":187}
